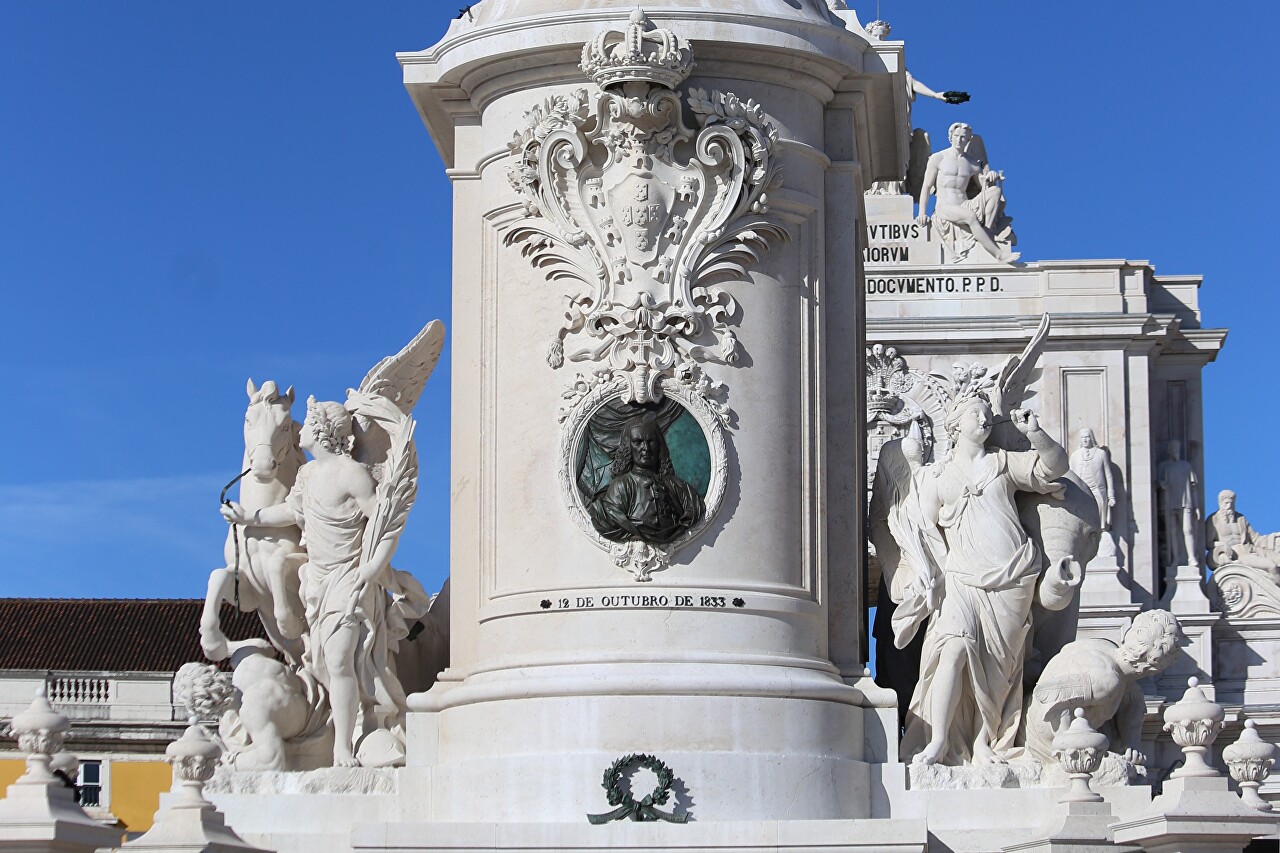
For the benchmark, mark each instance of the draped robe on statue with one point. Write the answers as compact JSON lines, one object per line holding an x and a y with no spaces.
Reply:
{"x":989,"y":580}
{"x":329,"y":581}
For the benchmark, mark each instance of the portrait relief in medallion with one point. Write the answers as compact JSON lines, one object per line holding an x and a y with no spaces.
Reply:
{"x":643,"y":479}
{"x":639,"y":495}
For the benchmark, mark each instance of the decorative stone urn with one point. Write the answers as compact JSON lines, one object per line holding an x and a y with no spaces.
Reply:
{"x":1080,"y":750}
{"x":1249,"y":760}
{"x":194,"y":758}
{"x":1194,"y":721}
{"x":40,"y":732}
{"x":190,"y":822}
{"x":39,"y":812}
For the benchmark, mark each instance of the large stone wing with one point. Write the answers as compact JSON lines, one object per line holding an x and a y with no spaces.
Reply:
{"x":398,"y":480}
{"x":977,"y":149}
{"x":1016,"y":373}
{"x":1011,"y":380}
{"x":401,"y":377}
{"x":1064,"y":692}
{"x":889,"y":489}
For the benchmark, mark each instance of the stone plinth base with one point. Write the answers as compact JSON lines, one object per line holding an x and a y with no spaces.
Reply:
{"x":45,"y":818}
{"x":1083,"y":828}
{"x":1195,"y":660}
{"x":191,"y":829}
{"x":799,"y":836}
{"x":982,"y":820}
{"x":1196,"y":815}
{"x":784,"y":744}
{"x":311,"y":811}
{"x":1105,"y":586}
{"x":1185,"y":595}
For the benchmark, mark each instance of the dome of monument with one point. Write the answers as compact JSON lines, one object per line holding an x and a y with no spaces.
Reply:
{"x":495,"y":11}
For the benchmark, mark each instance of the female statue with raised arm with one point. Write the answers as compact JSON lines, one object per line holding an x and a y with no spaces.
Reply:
{"x":967,"y":705}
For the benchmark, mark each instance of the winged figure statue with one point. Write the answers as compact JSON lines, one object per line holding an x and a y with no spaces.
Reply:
{"x":351,"y":501}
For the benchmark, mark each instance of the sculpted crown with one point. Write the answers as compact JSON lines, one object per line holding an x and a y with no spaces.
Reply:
{"x":641,"y":54}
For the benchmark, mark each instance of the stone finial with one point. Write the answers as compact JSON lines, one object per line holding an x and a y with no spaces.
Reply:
{"x":194,"y":757}
{"x":40,"y":732}
{"x":1194,"y":721}
{"x":1080,"y":750}
{"x":640,"y":53}
{"x":1249,"y":759}
{"x":191,"y":822}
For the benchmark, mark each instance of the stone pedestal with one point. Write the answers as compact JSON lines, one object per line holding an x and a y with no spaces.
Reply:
{"x":802,"y":836}
{"x":1196,"y":815}
{"x":191,"y":829}
{"x":1196,"y":659}
{"x":727,"y":655}
{"x":314,"y":811}
{"x":189,"y":823}
{"x":1185,"y":593}
{"x":1105,"y":622}
{"x":1105,"y":585}
{"x":43,"y":817}
{"x":1083,"y":828}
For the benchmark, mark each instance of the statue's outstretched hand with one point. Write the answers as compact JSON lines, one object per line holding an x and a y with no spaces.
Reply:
{"x":1025,"y":420}
{"x":233,"y":513}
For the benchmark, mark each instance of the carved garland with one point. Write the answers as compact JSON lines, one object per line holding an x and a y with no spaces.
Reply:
{"x":697,"y":394}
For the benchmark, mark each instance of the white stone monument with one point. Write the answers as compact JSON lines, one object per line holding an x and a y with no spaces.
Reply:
{"x":655,"y":617}
{"x":620,"y":205}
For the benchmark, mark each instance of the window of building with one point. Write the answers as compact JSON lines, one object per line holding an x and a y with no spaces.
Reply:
{"x":90,"y":783}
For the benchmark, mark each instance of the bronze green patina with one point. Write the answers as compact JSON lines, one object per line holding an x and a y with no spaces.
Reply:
{"x":627,"y":806}
{"x":643,"y":471}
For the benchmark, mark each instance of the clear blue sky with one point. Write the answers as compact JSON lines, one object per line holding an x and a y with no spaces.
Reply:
{"x":192,"y":194}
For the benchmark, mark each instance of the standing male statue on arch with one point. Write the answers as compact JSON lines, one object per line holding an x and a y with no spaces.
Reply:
{"x":1092,"y":463}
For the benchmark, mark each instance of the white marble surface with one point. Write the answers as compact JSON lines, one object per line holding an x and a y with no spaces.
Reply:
{"x":735,"y":658}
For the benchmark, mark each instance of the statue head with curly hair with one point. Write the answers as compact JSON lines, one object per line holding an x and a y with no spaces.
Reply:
{"x":642,"y":445}
{"x":203,"y":691}
{"x":1151,"y":643}
{"x":328,"y":426}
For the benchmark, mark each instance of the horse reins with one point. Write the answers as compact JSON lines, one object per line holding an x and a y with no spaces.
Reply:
{"x":235,"y":535}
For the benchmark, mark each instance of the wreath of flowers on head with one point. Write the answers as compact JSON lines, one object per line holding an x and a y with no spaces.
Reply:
{"x":627,"y":806}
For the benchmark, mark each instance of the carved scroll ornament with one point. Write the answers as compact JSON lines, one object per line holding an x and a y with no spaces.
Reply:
{"x":640,"y":218}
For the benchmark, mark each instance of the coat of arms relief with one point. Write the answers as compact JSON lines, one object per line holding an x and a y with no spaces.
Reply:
{"x":645,"y":222}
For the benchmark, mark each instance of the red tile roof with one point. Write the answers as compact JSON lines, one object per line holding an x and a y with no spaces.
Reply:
{"x":100,"y":634}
